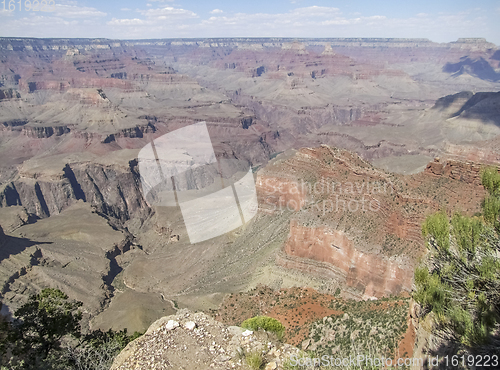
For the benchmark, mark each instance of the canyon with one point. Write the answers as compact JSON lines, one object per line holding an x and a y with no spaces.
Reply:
{"x":352,"y":142}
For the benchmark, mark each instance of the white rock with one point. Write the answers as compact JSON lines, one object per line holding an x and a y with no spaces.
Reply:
{"x":190,"y":325}
{"x":247,"y":333}
{"x":271,"y":366}
{"x":305,"y":344}
{"x":171,"y":325}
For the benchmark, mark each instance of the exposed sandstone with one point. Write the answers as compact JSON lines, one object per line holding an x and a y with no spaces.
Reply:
{"x":44,"y":132}
{"x":69,"y":45}
{"x":370,"y":274}
{"x":103,"y":96}
{"x":31,"y":86}
{"x":487,"y":153}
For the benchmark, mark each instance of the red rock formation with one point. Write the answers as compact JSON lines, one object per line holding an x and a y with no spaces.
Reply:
{"x":467,"y":172}
{"x":372,"y":275}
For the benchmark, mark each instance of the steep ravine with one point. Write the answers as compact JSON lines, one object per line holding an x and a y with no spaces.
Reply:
{"x":77,"y":251}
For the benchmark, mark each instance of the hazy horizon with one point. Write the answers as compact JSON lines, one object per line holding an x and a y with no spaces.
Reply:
{"x":444,"y":21}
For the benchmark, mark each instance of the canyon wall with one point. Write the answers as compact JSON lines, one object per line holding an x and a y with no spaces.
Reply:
{"x":111,"y":190}
{"x":371,"y":275}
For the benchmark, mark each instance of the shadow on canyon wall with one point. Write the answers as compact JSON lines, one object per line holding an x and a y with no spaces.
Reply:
{"x":484,"y":106}
{"x":479,"y":68}
{"x":11,"y":245}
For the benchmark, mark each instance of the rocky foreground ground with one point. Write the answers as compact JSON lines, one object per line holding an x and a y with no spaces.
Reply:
{"x":196,"y":341}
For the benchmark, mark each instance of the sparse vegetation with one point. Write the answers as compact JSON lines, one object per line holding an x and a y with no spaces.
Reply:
{"x":300,"y":309}
{"x":379,"y":325}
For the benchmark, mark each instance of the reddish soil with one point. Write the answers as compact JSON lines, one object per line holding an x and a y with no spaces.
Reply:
{"x":405,"y":348}
{"x":296,"y":309}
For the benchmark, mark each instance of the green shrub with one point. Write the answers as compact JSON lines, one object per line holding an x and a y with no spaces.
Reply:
{"x":254,"y":360}
{"x":490,"y":179}
{"x":39,"y":327}
{"x":34,"y":339}
{"x":266,"y":323}
{"x":460,"y":279}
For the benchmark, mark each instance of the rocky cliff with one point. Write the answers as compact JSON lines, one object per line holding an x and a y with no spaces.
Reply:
{"x":356,"y":225}
{"x":196,"y":341}
{"x":466,"y":104}
{"x":296,"y":94}
{"x":112,"y":190}
{"x":78,"y":251}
